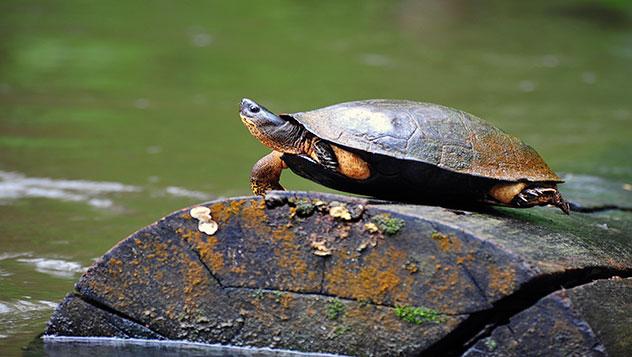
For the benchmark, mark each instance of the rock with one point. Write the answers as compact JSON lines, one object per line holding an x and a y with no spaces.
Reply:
{"x":385,"y":279}
{"x":584,"y":321}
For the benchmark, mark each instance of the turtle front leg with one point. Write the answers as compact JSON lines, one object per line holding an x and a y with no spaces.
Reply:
{"x":266,"y":174}
{"x":342,"y":161}
{"x":325,"y":155}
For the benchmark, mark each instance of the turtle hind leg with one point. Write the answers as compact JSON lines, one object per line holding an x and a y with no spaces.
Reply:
{"x":541,"y":196}
{"x":266,"y":174}
{"x":523,"y":195}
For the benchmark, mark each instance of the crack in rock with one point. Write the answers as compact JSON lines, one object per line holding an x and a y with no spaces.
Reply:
{"x":480,"y":325}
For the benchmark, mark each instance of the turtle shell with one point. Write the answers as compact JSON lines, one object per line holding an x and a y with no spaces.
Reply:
{"x":448,"y":138}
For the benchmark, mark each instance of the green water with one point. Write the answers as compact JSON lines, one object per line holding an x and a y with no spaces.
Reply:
{"x":146,"y":95}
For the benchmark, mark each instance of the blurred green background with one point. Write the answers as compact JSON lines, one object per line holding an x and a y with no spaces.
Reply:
{"x":144,"y":95}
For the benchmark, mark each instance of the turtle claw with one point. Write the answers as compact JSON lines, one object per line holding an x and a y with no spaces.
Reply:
{"x":522,"y":198}
{"x":541,"y":196}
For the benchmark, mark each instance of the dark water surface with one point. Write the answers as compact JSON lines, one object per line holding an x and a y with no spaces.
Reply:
{"x":113,"y":114}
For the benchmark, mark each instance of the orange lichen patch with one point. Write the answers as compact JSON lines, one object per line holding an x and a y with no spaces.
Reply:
{"x":195,"y":283}
{"x":254,"y":217}
{"x":285,"y":300}
{"x":464,"y":258}
{"x":223,"y":211}
{"x":447,"y":243}
{"x":238,"y":269}
{"x":289,"y":257}
{"x":448,"y":281}
{"x":502,"y":280}
{"x":115,"y":266}
{"x":161,"y":252}
{"x":186,"y":216}
{"x":375,"y":279}
{"x":209,"y":255}
{"x":204,"y":247}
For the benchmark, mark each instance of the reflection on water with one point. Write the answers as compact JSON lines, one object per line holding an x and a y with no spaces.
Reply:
{"x":78,"y":346}
{"x":16,"y":316}
{"x":15,"y":186}
{"x":113,"y":114}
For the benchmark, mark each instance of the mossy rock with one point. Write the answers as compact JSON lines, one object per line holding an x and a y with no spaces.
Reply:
{"x":287,"y":274}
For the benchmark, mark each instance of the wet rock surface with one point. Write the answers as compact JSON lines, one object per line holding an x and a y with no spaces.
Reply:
{"x":329,"y":273}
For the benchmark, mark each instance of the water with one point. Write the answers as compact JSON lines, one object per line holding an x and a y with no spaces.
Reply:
{"x":115,"y":114}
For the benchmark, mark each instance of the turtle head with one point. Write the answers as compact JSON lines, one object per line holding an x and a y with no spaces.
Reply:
{"x":278,"y":132}
{"x":253,"y":114}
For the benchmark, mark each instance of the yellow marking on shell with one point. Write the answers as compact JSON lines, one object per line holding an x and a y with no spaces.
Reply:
{"x":505,"y":192}
{"x":378,"y":122}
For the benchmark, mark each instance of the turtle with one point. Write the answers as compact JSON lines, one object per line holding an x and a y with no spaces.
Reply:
{"x":400,"y":150}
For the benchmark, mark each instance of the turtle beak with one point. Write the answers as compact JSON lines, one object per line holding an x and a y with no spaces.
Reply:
{"x":244,"y":111}
{"x":243,"y":104}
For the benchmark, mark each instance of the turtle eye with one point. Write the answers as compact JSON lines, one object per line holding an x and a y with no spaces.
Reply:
{"x":254,"y":109}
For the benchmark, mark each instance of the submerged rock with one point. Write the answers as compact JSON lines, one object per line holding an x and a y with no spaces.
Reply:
{"x":390,"y":280}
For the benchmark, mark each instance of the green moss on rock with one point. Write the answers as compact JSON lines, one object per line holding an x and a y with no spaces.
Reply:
{"x":387,"y":224}
{"x":304,"y":207}
{"x":335,"y":309}
{"x":417,"y":315}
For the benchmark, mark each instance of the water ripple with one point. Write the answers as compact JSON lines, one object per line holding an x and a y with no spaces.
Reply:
{"x":15,"y":186}
{"x":54,"y":267}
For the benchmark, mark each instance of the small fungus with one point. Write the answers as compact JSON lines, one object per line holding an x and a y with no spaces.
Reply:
{"x":200,"y":213}
{"x":335,"y":309}
{"x":206,"y":223}
{"x":340,"y":212}
{"x":417,"y":315}
{"x":387,"y":224}
{"x":411,"y":267}
{"x":320,"y":248}
{"x":208,"y":227}
{"x":371,"y":227}
{"x":318,"y":203}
